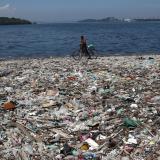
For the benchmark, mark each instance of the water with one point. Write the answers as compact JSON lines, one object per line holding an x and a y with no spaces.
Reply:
{"x":61,"y":39}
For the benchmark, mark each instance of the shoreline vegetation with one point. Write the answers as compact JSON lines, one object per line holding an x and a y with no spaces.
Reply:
{"x":13,"y":21}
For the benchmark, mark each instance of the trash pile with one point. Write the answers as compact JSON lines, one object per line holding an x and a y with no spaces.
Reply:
{"x":61,"y":109}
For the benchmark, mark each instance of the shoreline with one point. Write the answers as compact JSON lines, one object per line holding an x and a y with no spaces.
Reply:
{"x":69,"y":56}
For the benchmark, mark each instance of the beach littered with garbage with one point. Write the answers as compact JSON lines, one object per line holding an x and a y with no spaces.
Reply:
{"x":61,"y":109}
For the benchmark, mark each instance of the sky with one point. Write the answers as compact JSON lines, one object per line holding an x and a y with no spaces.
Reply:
{"x":72,"y":10}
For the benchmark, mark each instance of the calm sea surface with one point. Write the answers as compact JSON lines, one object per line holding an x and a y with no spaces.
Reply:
{"x":61,"y":39}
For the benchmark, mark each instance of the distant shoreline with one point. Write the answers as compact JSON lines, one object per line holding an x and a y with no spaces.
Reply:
{"x":13,"y":21}
{"x":116,"y":20}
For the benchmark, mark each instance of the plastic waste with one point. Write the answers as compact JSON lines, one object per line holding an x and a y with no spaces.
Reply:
{"x":9,"y":105}
{"x":63,"y":109}
{"x":130,"y":123}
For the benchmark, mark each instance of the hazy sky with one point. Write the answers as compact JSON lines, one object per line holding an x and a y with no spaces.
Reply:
{"x":70,"y":10}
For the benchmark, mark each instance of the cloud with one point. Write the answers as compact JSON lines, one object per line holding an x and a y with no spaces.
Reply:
{"x":5,"y":7}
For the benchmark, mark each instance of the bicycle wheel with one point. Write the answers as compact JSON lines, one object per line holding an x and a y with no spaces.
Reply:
{"x":76,"y":55}
{"x":93,"y":53}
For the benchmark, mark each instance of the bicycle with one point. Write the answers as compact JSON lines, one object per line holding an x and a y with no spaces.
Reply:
{"x":78,"y":55}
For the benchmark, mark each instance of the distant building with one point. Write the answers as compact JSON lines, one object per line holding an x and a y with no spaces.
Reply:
{"x":127,"y":20}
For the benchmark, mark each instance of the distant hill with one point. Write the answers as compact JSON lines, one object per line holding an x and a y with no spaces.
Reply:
{"x":13,"y":21}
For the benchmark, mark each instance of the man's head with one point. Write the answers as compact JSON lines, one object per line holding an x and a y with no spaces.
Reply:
{"x":82,"y":37}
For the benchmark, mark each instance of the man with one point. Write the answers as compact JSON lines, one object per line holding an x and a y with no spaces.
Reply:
{"x":83,"y":47}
